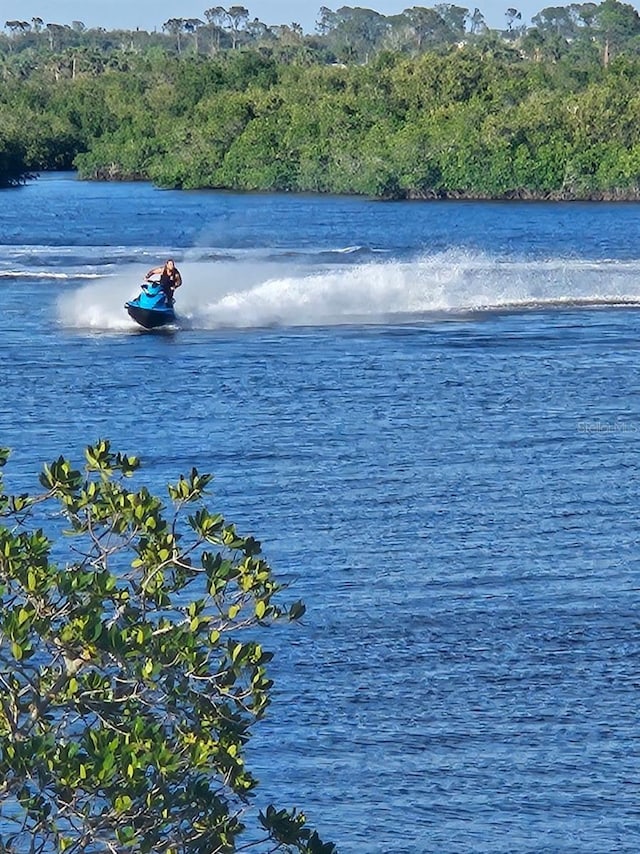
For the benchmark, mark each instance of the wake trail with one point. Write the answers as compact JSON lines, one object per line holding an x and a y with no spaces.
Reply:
{"x":252,"y":294}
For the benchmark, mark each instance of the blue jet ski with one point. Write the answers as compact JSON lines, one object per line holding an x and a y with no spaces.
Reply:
{"x":152,"y":308}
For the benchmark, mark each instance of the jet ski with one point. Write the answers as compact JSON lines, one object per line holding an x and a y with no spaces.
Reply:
{"x":152,"y":307}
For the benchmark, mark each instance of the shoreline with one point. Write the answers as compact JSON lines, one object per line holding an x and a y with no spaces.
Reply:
{"x":108,"y":176}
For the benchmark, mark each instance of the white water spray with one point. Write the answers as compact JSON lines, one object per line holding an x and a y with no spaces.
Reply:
{"x":250,"y":293}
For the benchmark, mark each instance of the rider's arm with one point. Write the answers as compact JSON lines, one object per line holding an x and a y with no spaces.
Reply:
{"x":178,"y":280}
{"x":155,"y":271}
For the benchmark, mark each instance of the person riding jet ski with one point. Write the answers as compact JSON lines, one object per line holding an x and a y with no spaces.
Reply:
{"x":170,"y":278}
{"x":153,"y":307}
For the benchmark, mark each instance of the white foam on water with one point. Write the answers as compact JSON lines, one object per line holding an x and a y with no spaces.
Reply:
{"x":100,"y":305}
{"x":249,"y":293}
{"x":45,"y":274}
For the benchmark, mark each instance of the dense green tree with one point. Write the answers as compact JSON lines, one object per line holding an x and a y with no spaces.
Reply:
{"x":13,"y":158}
{"x":354,"y":33}
{"x":424,"y":27}
{"x":217,"y":18}
{"x":194,"y":25}
{"x":176,"y":27}
{"x":132,"y":669}
{"x":238,"y":16}
{"x":615,"y":23}
{"x":17,"y":26}
{"x":455,"y":17}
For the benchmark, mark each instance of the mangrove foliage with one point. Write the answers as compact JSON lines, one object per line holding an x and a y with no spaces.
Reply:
{"x":426,"y":104}
{"x":132,"y":670}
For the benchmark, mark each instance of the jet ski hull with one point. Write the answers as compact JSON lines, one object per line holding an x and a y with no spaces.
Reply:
{"x":150,"y":318}
{"x":151,"y":309}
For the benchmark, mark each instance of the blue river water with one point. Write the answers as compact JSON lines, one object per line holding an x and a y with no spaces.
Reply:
{"x":429,"y":414}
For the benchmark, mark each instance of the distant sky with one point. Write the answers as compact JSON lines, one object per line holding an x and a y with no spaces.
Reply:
{"x":151,"y":14}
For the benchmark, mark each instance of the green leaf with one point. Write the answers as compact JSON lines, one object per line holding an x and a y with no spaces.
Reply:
{"x":16,"y":651}
{"x":123,"y":803}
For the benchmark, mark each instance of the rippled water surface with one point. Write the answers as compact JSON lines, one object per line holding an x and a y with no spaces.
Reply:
{"x":429,"y":414}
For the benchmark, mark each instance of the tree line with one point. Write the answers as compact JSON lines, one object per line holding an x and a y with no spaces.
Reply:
{"x":542,"y":112}
{"x":349,"y":34}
